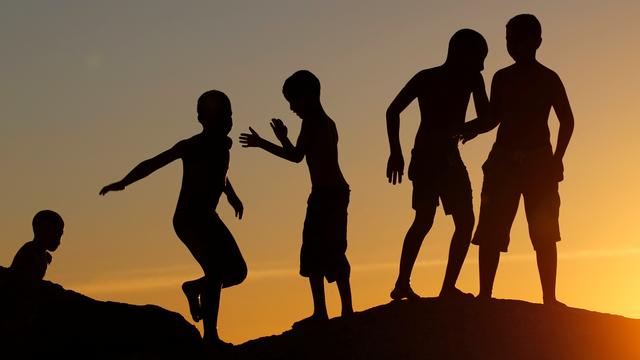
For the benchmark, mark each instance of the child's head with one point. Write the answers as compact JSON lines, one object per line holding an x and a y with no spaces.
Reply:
{"x":214,"y":111}
{"x":302,"y":91}
{"x":467,"y":50}
{"x":47,"y":229}
{"x":524,"y":36}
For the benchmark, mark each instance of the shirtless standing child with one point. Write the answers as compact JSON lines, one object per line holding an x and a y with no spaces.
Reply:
{"x":324,"y":238}
{"x":205,"y":160}
{"x":522,"y":161}
{"x":436,"y":168}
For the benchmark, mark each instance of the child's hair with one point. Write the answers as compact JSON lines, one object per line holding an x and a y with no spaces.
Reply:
{"x":46,"y":220}
{"x":212,"y":101}
{"x":301,"y":83}
{"x":466,"y":43}
{"x":526,"y":26}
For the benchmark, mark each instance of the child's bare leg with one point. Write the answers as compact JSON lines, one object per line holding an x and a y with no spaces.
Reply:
{"x":317,"y":292}
{"x":410,"y":248}
{"x":210,"y":299}
{"x":344,"y":288}
{"x":193,"y":290}
{"x":547,"y":259}
{"x":319,"y":304}
{"x":489,"y":259}
{"x":458,"y":249}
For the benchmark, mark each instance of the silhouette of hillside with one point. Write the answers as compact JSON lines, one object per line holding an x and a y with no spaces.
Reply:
{"x":465,"y":329}
{"x":43,"y":320}
{"x":40,"y":319}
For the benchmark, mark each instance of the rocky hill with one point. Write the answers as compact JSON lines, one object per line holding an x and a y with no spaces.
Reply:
{"x":43,"y":320}
{"x":464,"y":329}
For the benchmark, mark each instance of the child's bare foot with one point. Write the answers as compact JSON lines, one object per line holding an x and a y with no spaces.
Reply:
{"x":346,"y":313}
{"x":215,"y":346}
{"x":483,"y":298}
{"x":553,"y":303}
{"x":192,"y":292}
{"x":403,"y":292}
{"x":313,"y":320}
{"x":455,"y":293}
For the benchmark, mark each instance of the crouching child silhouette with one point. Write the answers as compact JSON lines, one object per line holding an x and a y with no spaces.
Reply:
{"x":205,"y":160}
{"x":324,"y":238}
{"x":436,"y":168}
{"x":33,"y":258}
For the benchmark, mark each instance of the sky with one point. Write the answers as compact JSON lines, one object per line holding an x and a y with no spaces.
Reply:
{"x":91,"y":88}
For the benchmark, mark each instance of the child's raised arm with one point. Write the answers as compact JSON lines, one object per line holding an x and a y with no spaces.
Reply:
{"x":144,"y":169}
{"x":233,"y":199}
{"x":287,"y":151}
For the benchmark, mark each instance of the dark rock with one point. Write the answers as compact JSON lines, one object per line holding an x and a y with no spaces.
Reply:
{"x":43,"y":320}
{"x":40,"y":319}
{"x":462,"y":329}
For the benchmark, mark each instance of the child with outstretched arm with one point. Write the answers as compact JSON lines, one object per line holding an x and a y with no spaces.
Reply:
{"x":324,"y":238}
{"x":205,"y":160}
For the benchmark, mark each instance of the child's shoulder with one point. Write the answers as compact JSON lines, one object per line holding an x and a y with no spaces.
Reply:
{"x":29,"y":250}
{"x":426,"y":74}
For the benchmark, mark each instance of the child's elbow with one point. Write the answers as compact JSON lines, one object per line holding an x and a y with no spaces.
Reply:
{"x":392,"y":113}
{"x":297,"y":158}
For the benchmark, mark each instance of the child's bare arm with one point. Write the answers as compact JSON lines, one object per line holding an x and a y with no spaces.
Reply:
{"x":395,"y":164}
{"x":144,"y":169}
{"x":565,"y":117}
{"x":233,"y":199}
{"x":485,"y":120}
{"x":286,"y":151}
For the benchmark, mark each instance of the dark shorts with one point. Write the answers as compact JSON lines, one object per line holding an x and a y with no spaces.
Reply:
{"x":440,"y":178}
{"x":212,"y":245}
{"x":324,"y":237}
{"x":506,"y":178}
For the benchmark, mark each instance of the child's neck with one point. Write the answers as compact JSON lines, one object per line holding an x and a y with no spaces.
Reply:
{"x":316,"y":114}
{"x":529,"y":60}
{"x":38,"y":243}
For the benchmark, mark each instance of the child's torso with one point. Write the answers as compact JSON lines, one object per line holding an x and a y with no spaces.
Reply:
{"x":443,"y":100}
{"x":322,"y":154}
{"x":205,"y":163}
{"x":521,"y":101}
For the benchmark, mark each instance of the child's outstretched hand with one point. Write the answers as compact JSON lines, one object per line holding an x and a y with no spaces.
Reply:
{"x":116,"y":186}
{"x":236,"y":204}
{"x":250,"y":140}
{"x":279,"y":129}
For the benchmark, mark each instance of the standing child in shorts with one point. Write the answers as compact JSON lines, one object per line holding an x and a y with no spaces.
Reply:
{"x":436,"y":168}
{"x":205,"y":160}
{"x":324,"y":238}
{"x":522,"y":162}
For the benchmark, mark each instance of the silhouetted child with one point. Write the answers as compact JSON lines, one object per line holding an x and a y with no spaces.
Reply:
{"x":32,"y":259}
{"x":522,"y":161}
{"x":205,"y":160}
{"x":436,"y":168}
{"x":324,"y":238}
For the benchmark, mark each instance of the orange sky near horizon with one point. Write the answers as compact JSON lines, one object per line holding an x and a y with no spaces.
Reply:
{"x":92,"y":89}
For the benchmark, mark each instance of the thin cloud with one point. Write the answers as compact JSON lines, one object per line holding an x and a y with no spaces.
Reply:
{"x":142,"y":280}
